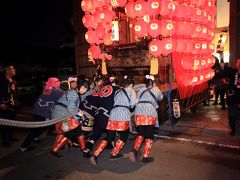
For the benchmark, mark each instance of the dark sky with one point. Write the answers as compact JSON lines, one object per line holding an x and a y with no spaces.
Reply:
{"x":35,"y":23}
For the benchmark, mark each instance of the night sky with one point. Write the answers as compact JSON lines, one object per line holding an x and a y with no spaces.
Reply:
{"x":35,"y":23}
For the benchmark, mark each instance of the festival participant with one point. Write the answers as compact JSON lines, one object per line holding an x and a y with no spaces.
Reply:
{"x":69,"y":129}
{"x":42,"y":109}
{"x":119,"y":120}
{"x":104,"y":105}
{"x":146,"y":118}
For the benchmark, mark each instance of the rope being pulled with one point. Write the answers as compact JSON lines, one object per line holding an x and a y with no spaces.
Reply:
{"x":26,"y":124}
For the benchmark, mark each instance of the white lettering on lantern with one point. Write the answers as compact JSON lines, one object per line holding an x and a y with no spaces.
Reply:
{"x":137,"y":28}
{"x":155,"y":5}
{"x":153,"y":48}
{"x":168,"y":46}
{"x":138,"y":7}
{"x":114,"y":3}
{"x":154,"y":26}
{"x":83,"y":3}
{"x":170,"y":26}
{"x":102,"y":16}
{"x":204,"y":46}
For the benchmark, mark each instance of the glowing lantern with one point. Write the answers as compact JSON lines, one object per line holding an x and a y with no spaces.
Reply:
{"x":188,"y":79}
{"x":153,"y":28}
{"x":181,"y":45}
{"x":140,"y":8}
{"x":129,"y":9}
{"x":88,"y":21}
{"x":118,"y":3}
{"x":94,"y":51}
{"x":210,"y":61}
{"x":211,"y":48}
{"x":181,"y":11}
{"x":153,"y":7}
{"x":194,"y":2}
{"x":189,"y":47}
{"x":190,"y":63}
{"x":197,"y":16}
{"x":87,"y":6}
{"x":107,"y":40}
{"x":101,"y":32}
{"x":98,"y":3}
{"x":201,"y":3}
{"x":167,"y":27}
{"x":168,"y":7}
{"x":203,"y":63}
{"x":197,"y":32}
{"x":140,"y":28}
{"x":167,"y":46}
{"x":154,"y":48}
{"x":103,"y":16}
{"x":91,"y":36}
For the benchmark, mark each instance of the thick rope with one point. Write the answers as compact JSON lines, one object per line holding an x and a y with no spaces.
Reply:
{"x":26,"y":124}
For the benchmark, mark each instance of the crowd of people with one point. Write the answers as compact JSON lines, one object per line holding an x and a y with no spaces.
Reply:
{"x":103,"y":106}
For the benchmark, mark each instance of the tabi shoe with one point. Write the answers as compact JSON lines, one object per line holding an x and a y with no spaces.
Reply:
{"x":147,"y":159}
{"x":55,"y":154}
{"x":118,"y":156}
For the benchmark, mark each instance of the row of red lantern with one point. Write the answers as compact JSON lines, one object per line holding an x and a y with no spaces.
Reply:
{"x":167,"y":46}
{"x":168,"y":27}
{"x":193,"y":79}
{"x":91,"y":5}
{"x":197,"y":63}
{"x":170,"y":8}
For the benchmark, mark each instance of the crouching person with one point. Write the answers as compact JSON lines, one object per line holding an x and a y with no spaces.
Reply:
{"x":70,"y":129}
{"x":119,"y":121}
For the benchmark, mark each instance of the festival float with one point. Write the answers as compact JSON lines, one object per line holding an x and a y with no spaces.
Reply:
{"x":171,"y":39}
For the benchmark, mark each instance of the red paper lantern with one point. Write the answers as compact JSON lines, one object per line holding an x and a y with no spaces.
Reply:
{"x":94,"y":51}
{"x":154,"y":28}
{"x":91,"y":36}
{"x":140,"y":28}
{"x":167,"y":46}
{"x":98,"y":3}
{"x":197,"y":33}
{"x":155,"y":48}
{"x":201,"y":3}
{"x":129,"y":9}
{"x":118,"y":3}
{"x":182,"y":29}
{"x":103,"y":16}
{"x":88,"y":21}
{"x":181,"y":11}
{"x":203,"y":62}
{"x":197,"y":15}
{"x":210,"y":48}
{"x":189,"y":47}
{"x":153,"y":7}
{"x":190,"y":63}
{"x":210,"y":61}
{"x":168,"y":27}
{"x":140,"y":8}
{"x":87,"y":6}
{"x":181,"y":45}
{"x":194,"y":2}
{"x":101,"y":32}
{"x":188,"y":79}
{"x":168,"y":7}
{"x":107,"y":40}
{"x":197,"y":46}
